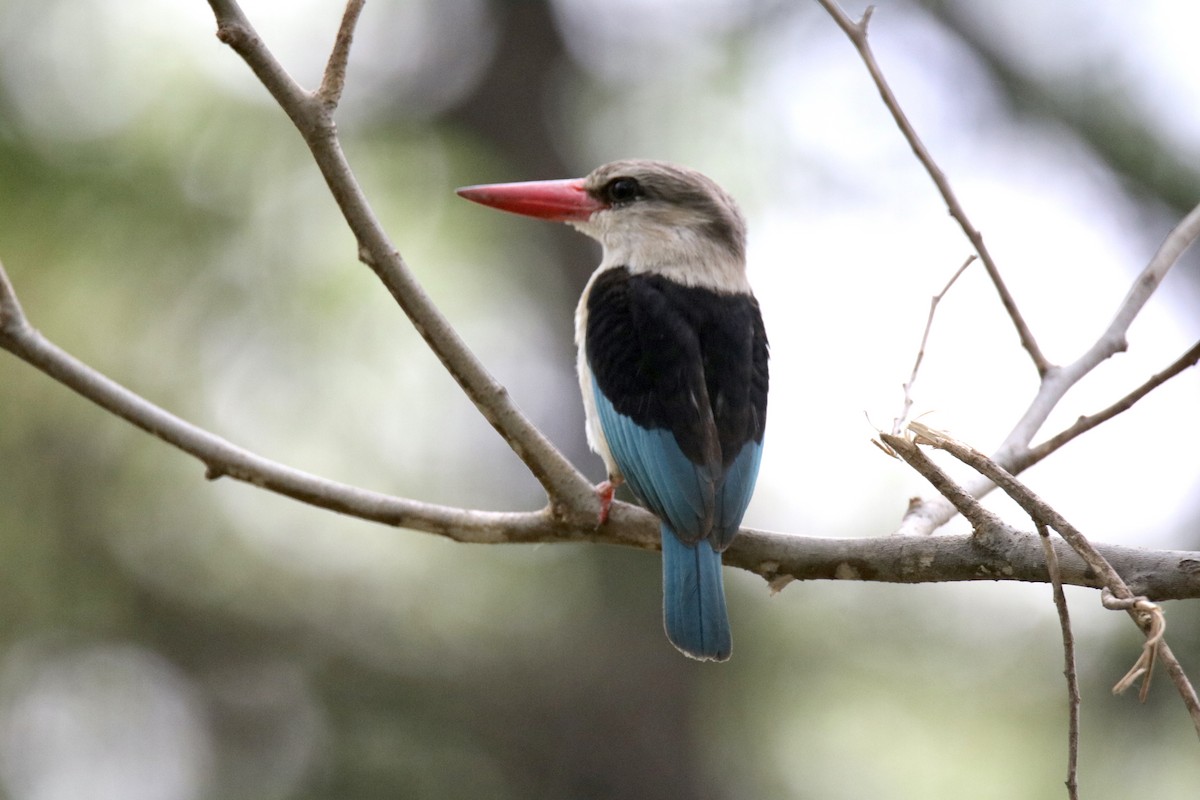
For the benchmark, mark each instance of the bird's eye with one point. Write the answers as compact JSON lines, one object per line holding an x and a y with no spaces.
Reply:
{"x":622,"y":190}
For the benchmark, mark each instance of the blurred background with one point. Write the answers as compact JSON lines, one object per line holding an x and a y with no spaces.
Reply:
{"x":167,"y":638}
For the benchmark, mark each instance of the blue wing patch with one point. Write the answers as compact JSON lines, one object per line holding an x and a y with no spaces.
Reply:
{"x":700,"y":515}
{"x":735,"y":493}
{"x":679,"y":492}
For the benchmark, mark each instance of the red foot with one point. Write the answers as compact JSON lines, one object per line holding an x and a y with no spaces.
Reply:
{"x":605,"y":492}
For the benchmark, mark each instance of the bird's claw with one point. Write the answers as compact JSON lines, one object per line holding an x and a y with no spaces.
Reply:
{"x":605,"y":492}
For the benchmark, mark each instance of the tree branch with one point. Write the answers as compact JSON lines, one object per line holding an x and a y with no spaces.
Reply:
{"x":1014,"y":453}
{"x":571,"y":495}
{"x":1005,"y":555}
{"x":334,"y":79}
{"x":857,"y":33}
{"x":222,"y":458}
{"x":1086,"y":423}
{"x":899,"y":422}
{"x":994,"y":551}
{"x":1069,"y":671}
{"x":980,"y":518}
{"x":1146,"y":615}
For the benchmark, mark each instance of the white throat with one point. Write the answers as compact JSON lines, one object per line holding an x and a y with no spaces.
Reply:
{"x":681,"y":252}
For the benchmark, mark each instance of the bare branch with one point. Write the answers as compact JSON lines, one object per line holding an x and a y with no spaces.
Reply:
{"x":1014,"y":453}
{"x":12,"y":316}
{"x":1069,"y":671}
{"x":571,"y":494}
{"x":1177,"y":242}
{"x":898,"y":422}
{"x":334,"y":79}
{"x":236,"y":31}
{"x":1140,"y":609}
{"x":1086,"y":423}
{"x":1003,"y":554}
{"x":925,"y":516}
{"x":1034,"y":506}
{"x":980,"y":518}
{"x":222,"y":458}
{"x":857,"y":33}
{"x":994,"y":552}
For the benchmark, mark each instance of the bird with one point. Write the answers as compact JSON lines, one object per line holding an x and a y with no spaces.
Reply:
{"x":672,"y":365}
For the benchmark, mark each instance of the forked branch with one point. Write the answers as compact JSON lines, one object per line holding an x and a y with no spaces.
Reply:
{"x":572,"y":497}
{"x":1015,"y":453}
{"x":857,"y":33}
{"x":1146,"y":614}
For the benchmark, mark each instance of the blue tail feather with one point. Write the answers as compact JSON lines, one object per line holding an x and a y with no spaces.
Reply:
{"x":694,"y":598}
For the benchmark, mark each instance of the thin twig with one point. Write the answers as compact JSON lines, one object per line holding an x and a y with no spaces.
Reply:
{"x":1086,"y":423}
{"x":898,"y":422}
{"x":857,"y":33}
{"x":980,"y":518}
{"x":12,"y":317}
{"x":1176,"y":243}
{"x":1069,"y":671}
{"x":334,"y":79}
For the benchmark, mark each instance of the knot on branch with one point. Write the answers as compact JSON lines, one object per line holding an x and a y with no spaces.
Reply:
{"x":12,"y":318}
{"x":233,"y":34}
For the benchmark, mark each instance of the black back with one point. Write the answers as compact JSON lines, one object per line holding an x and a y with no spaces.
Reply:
{"x":686,"y":358}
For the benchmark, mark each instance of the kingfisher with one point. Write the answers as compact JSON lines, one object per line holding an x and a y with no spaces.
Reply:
{"x":672,"y":362}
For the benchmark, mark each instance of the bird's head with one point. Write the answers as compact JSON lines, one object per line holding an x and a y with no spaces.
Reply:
{"x":650,"y":216}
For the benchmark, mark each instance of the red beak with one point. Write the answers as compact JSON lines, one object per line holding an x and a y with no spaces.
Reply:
{"x":557,"y":201}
